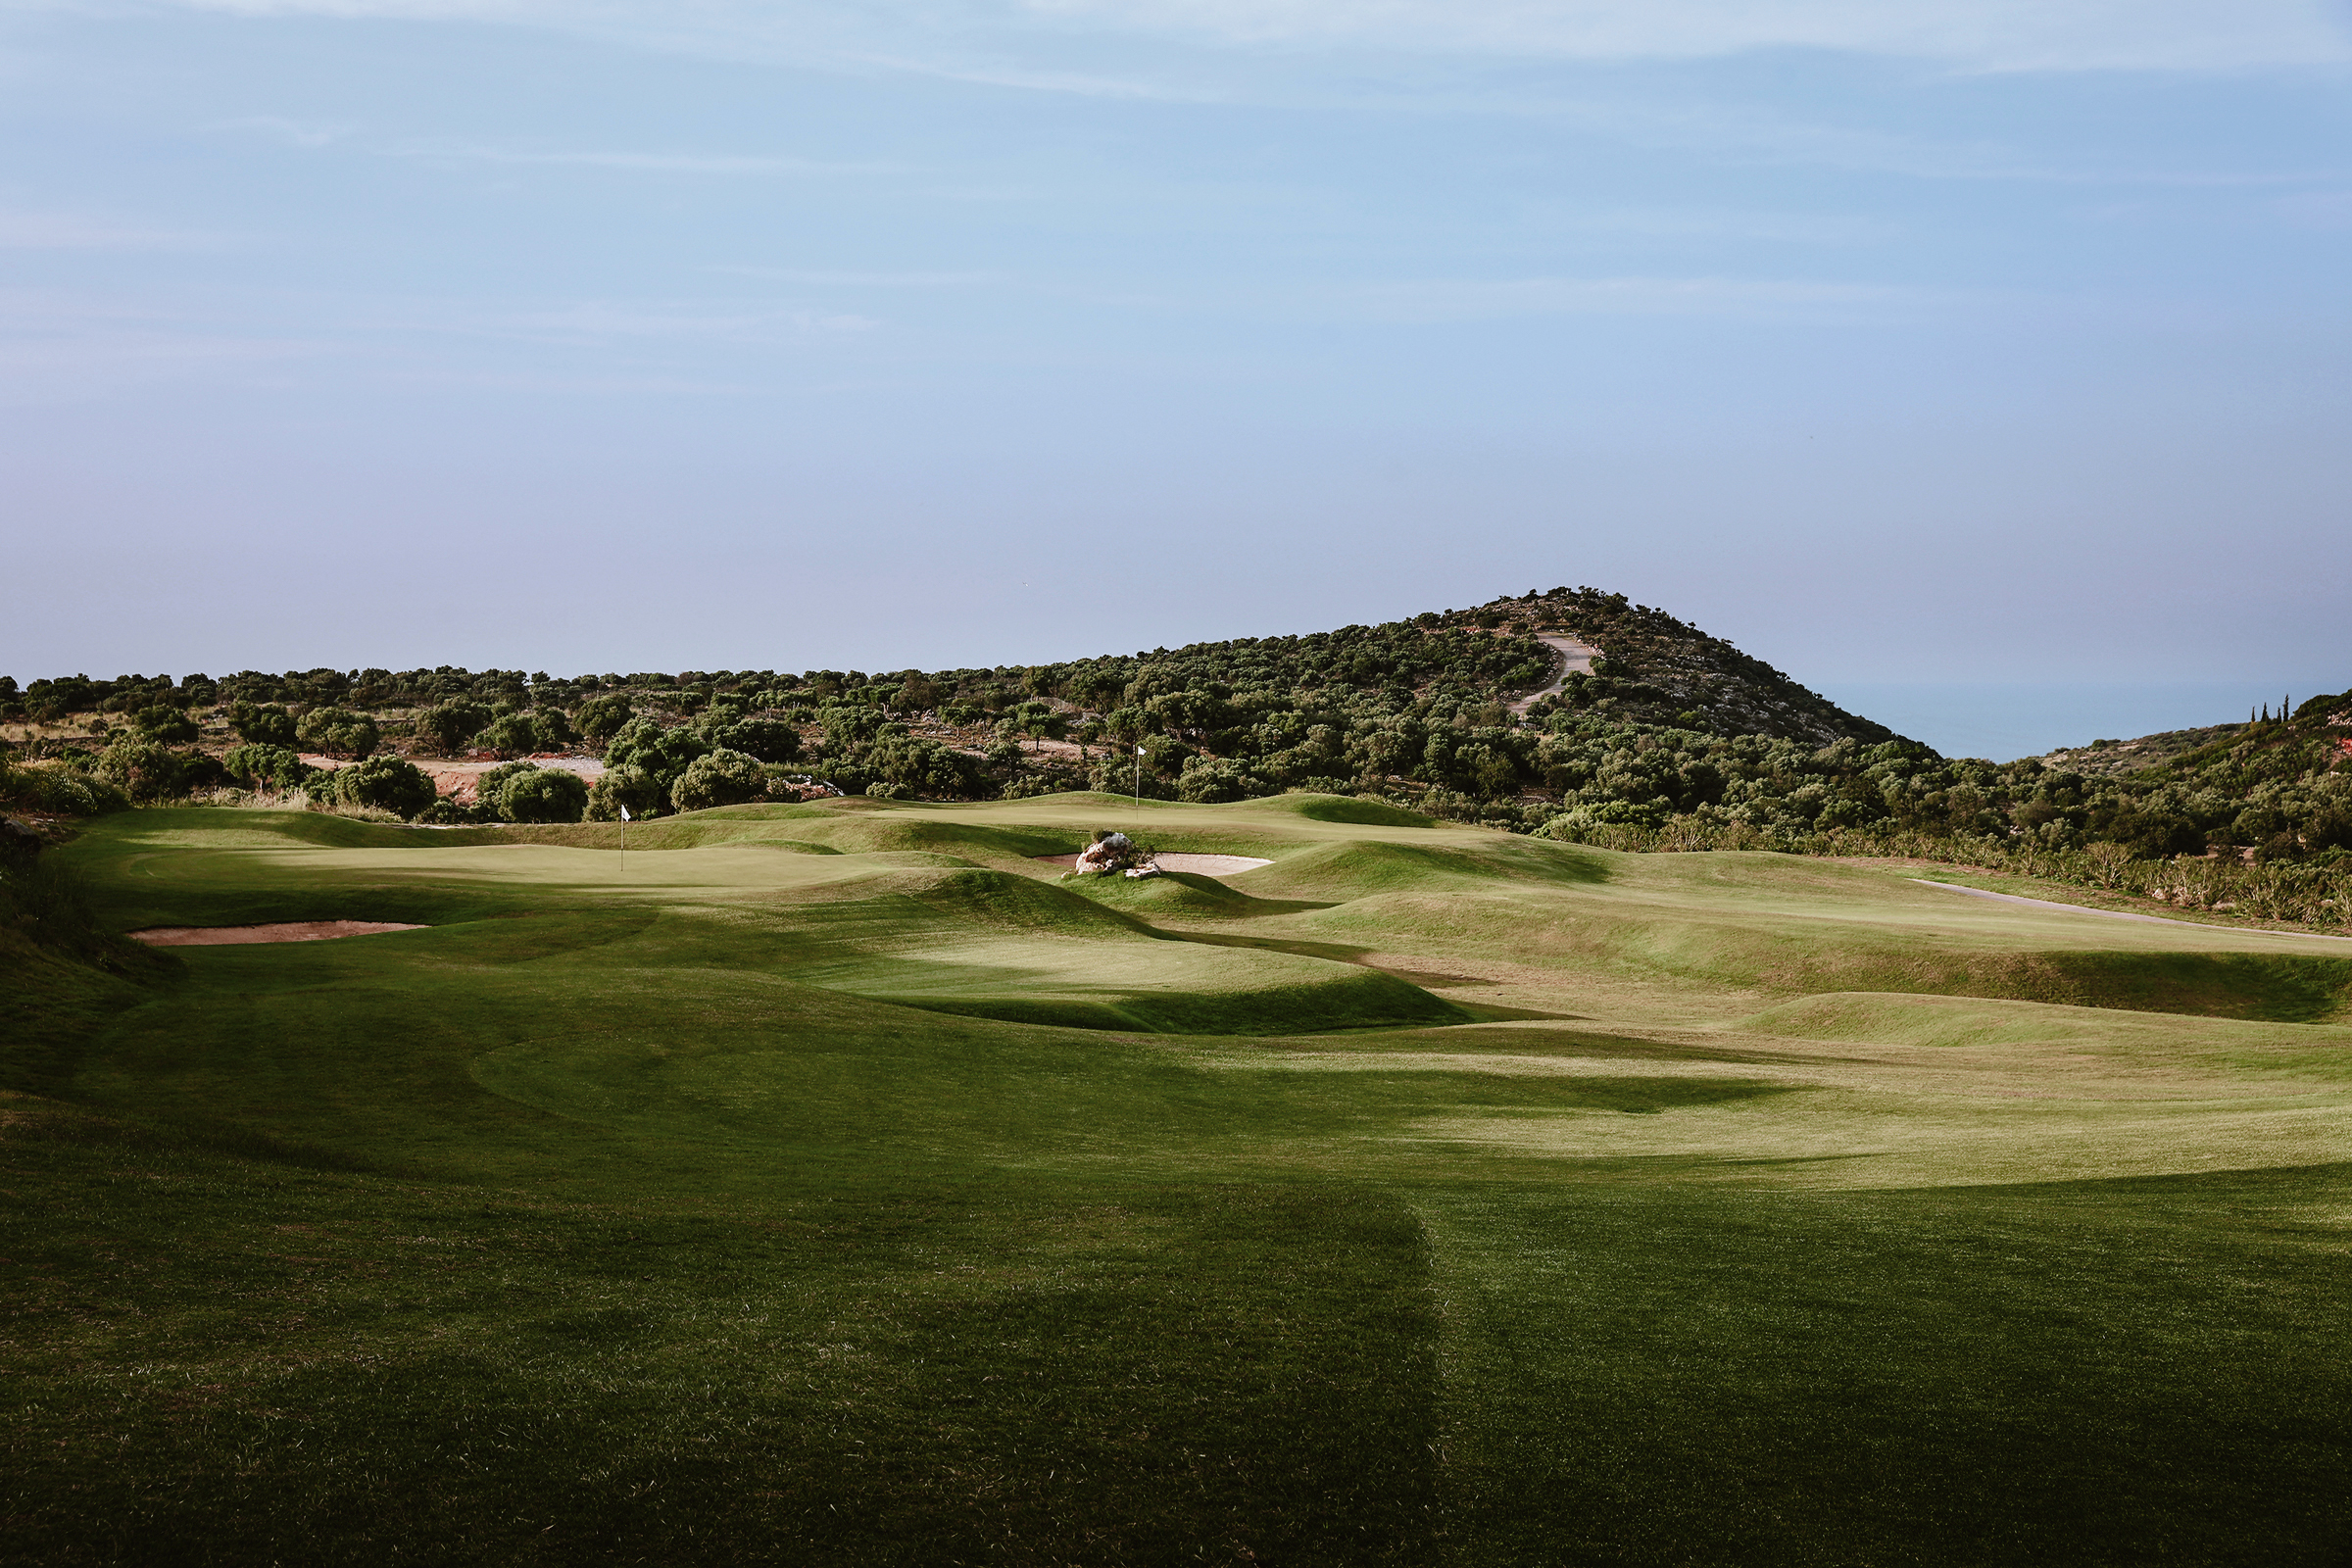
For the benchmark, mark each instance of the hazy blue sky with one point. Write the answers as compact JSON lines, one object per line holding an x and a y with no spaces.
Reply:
{"x":1984,"y":365}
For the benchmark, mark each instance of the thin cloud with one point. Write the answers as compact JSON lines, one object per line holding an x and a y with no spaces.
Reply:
{"x":57,"y":346}
{"x":294,"y":132}
{"x":22,"y":230}
{"x":632,"y":163}
{"x":1439,"y":301}
{"x":2197,"y":35}
{"x":597,"y":322}
{"x":1992,"y":34}
{"x":819,"y":278}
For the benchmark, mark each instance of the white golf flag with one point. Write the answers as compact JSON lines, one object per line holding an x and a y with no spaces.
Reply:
{"x":624,"y":813}
{"x":1139,"y":751}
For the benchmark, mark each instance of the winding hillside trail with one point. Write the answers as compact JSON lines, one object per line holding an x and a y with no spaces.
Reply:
{"x":1578,"y":660}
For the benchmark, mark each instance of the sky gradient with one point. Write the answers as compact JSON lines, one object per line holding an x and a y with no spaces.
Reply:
{"x":1981,"y":365}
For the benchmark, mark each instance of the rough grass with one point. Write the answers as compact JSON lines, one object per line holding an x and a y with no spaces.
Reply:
{"x":759,"y":1201}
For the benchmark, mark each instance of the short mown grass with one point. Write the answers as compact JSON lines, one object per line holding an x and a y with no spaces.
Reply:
{"x":833,"y":1185}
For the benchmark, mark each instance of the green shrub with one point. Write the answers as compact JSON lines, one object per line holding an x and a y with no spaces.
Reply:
{"x":60,"y":791}
{"x":490,"y":789}
{"x":603,"y":718}
{"x":663,"y":753}
{"x":386,"y":783}
{"x":544,"y":795}
{"x":143,"y":770}
{"x":451,"y":725}
{"x":509,"y":735}
{"x":632,"y":787}
{"x":1211,"y":780}
{"x":767,"y":739}
{"x":274,"y":767}
{"x":552,"y":730}
{"x":719,"y":778}
{"x":167,"y":724}
{"x":338,"y":732}
{"x":271,"y":725}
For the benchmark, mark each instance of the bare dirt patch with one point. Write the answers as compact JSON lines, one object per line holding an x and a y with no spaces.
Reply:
{"x":222,"y":936}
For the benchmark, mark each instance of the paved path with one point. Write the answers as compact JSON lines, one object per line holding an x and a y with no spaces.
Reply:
{"x":1578,"y":660}
{"x":2124,"y":914}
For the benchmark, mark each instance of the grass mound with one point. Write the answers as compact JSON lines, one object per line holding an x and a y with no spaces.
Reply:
{"x":1344,"y":809}
{"x":2282,"y":987}
{"x":1348,"y":998}
{"x":1007,"y":902}
{"x":1359,"y":869}
{"x":968,"y":839}
{"x":1182,"y":895}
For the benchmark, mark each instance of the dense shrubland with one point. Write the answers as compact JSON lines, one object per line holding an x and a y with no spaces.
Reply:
{"x":1675,"y":739}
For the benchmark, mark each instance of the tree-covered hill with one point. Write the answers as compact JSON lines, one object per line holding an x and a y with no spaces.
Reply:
{"x":1660,"y":671}
{"x":1419,"y":706}
{"x":1674,"y":738}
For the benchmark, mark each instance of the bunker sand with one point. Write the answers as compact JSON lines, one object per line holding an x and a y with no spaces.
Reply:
{"x":223,"y":935}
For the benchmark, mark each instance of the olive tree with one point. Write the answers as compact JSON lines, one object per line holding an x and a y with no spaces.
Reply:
{"x":338,"y":732}
{"x":143,"y":770}
{"x":275,"y":767}
{"x":509,"y":735}
{"x":270,"y":725}
{"x":719,"y":778}
{"x":552,"y":730}
{"x":386,"y":783}
{"x":602,"y":717}
{"x":167,"y":724}
{"x":632,"y":787}
{"x":767,"y":739}
{"x":544,"y":795}
{"x":490,"y":789}
{"x":666,"y":754}
{"x":452,"y":724}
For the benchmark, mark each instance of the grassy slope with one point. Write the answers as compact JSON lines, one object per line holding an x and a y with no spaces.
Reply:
{"x":1782,"y":1212}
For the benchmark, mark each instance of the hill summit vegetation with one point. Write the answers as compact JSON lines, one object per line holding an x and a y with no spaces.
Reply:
{"x":1673,"y":739}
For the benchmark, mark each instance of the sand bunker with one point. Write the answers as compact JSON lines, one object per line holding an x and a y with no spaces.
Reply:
{"x":1200,"y":865}
{"x":220,"y":936}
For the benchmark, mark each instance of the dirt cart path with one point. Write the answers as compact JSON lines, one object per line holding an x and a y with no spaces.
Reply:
{"x":1578,"y":659}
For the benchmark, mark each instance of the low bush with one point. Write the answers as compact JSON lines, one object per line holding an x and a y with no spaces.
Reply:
{"x":261,"y":725}
{"x":386,"y":783}
{"x":719,"y":778}
{"x":338,"y":732}
{"x":270,"y":768}
{"x":143,"y":770}
{"x":58,"y":790}
{"x":450,"y":725}
{"x":632,"y":787}
{"x":167,"y":724}
{"x":544,"y":795}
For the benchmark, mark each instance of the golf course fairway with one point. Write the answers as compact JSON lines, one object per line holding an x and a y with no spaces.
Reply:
{"x":836,"y":1184}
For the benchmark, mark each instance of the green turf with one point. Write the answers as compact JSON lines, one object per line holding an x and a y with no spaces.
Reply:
{"x":838,"y":1184}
